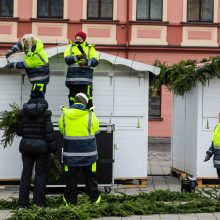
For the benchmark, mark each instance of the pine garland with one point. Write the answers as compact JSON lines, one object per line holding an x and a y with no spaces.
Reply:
{"x":183,"y":76}
{"x":156,"y":202}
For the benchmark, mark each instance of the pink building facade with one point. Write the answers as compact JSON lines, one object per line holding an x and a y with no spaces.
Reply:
{"x":141,"y":30}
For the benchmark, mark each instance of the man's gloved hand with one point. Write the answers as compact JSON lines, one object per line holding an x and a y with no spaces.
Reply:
{"x":9,"y":53}
{"x":208,"y":156}
{"x":10,"y":65}
{"x":83,"y":63}
{"x":82,"y":56}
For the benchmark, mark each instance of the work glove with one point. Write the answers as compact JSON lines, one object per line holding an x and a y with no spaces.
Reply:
{"x":208,"y":156}
{"x":83,"y":63}
{"x":10,"y":65}
{"x":9,"y":53}
{"x":82,"y":56}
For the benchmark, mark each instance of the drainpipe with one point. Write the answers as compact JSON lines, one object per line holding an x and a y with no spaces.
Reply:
{"x":127,"y":29}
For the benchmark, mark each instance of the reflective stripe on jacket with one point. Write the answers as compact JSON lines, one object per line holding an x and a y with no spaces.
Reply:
{"x":79,"y":126}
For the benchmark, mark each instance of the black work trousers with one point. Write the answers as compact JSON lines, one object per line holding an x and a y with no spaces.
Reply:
{"x":218,"y":172}
{"x":86,"y":89}
{"x":71,"y":184}
{"x":39,"y":193}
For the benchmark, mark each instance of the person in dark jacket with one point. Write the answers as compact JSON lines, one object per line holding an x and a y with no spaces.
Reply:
{"x":79,"y":126}
{"x":35,"y":61}
{"x":81,"y":59}
{"x":38,"y":140}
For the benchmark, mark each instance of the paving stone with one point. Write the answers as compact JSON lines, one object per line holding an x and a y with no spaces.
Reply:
{"x":112,"y":218}
{"x":187,"y":217}
{"x":150,"y":217}
{"x":131,"y":191}
{"x":169,"y":216}
{"x":205,"y":216}
{"x":4,"y":214}
{"x":217,"y":215}
{"x":136,"y":217}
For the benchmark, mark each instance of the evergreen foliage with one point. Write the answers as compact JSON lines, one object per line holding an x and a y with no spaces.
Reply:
{"x":156,"y":202}
{"x":183,"y":76}
{"x":8,"y":124}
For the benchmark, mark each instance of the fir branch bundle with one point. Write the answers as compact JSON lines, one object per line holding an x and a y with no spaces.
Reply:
{"x":55,"y":170}
{"x":8,"y":123}
{"x":181,"y":77}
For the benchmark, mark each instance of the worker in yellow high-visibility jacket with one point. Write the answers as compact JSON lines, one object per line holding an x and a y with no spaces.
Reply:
{"x":215,"y":149}
{"x":35,"y":63}
{"x":79,"y":127}
{"x":81,"y":59}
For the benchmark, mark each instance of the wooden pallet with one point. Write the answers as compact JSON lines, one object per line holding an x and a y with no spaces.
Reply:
{"x":132,"y":182}
{"x":206,"y":182}
{"x":179,"y":173}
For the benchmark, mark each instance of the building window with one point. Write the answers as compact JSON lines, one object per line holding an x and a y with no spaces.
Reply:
{"x":6,"y":8}
{"x":200,"y":10}
{"x":50,"y":8}
{"x":100,"y":9}
{"x":154,"y":100}
{"x":149,"y":10}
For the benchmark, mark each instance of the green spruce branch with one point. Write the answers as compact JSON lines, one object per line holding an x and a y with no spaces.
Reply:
{"x":8,"y":125}
{"x":156,"y":202}
{"x":181,"y":77}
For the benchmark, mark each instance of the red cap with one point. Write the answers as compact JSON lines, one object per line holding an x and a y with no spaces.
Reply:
{"x":82,"y":35}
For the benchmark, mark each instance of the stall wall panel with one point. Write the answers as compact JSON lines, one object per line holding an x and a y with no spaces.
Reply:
{"x":103,"y":93}
{"x":130,"y":94}
{"x":57,"y":94}
{"x":211,"y":98}
{"x":130,"y":153}
{"x":10,"y":158}
{"x":190,"y":153}
{"x":10,"y":89}
{"x":10,"y":161}
{"x":178,"y":135}
{"x":209,"y":109}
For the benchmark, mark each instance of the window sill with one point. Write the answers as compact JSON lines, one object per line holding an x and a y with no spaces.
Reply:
{"x":9,"y":18}
{"x":149,"y":22}
{"x":155,"y":119}
{"x":200,"y":23}
{"x":86,"y":21}
{"x":53,"y":20}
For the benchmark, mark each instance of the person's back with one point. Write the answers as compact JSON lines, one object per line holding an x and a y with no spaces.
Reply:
{"x":79,"y":126}
{"x":34,"y":115}
{"x":37,"y":141}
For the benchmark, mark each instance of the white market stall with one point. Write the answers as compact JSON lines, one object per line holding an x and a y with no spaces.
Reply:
{"x":120,"y":97}
{"x":195,"y":116}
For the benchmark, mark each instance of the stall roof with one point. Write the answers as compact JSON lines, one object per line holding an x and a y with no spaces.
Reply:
{"x":116,"y":60}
